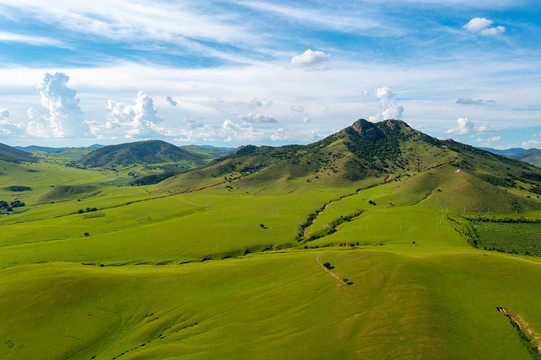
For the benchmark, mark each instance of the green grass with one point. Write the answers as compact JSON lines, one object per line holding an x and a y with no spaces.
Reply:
{"x":280,"y":305}
{"x":521,"y":238}
{"x":419,"y":290}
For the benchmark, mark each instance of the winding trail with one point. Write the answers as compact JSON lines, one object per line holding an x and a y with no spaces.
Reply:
{"x":318,"y":260}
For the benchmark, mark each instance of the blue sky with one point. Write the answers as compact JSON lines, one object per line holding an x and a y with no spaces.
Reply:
{"x":226,"y":73}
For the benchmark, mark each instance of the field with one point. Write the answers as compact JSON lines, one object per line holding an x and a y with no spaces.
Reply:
{"x":521,"y":238}
{"x":237,"y":272}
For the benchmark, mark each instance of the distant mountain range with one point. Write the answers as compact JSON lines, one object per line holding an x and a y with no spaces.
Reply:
{"x":51,"y":149}
{"x":531,"y":156}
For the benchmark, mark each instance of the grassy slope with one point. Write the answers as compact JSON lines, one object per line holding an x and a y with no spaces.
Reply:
{"x":272,"y":306}
{"x":435,"y":299}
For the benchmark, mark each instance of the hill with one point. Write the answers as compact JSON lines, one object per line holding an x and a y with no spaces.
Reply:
{"x":11,"y":154}
{"x":40,"y":148}
{"x":368,"y":153}
{"x":208,"y":151}
{"x":141,"y":152}
{"x":378,"y":242}
{"x":531,"y":156}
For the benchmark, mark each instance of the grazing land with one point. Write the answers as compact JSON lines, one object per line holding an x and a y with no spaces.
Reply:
{"x":329,"y":250}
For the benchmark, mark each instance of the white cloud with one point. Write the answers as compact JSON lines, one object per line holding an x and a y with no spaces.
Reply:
{"x":194,"y":131}
{"x":257,"y":103}
{"x":61,"y":117}
{"x":483,"y":128}
{"x":7,"y":127}
{"x":170,"y":101}
{"x":390,"y":108}
{"x":531,"y":143}
{"x":477,"y":24}
{"x":300,"y":110}
{"x":30,"y":40}
{"x":232,"y":131}
{"x":493,"y":31}
{"x":257,"y":118}
{"x":133,"y":121}
{"x":490,"y":139}
{"x":309,"y":58}
{"x":481,"y":25}
{"x":280,"y":134}
{"x":469,"y":101}
{"x":464,"y":126}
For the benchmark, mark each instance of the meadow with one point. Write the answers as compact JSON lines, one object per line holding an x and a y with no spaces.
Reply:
{"x":236,"y":272}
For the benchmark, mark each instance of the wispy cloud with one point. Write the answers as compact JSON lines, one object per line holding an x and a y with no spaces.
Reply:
{"x":30,"y":40}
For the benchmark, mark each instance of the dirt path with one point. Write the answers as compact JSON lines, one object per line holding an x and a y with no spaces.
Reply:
{"x":342,"y":281}
{"x":524,"y":328}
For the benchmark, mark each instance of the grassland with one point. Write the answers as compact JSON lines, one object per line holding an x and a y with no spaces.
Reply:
{"x":218,"y":266}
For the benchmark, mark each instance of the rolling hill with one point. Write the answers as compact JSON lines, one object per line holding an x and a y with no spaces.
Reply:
{"x":11,"y":154}
{"x":142,"y":152}
{"x":370,"y":153}
{"x":378,"y":242}
{"x":531,"y":156}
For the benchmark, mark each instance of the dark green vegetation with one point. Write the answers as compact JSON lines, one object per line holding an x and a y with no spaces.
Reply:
{"x":143,"y":152}
{"x":367,"y":244}
{"x":511,"y":235}
{"x":10,"y":154}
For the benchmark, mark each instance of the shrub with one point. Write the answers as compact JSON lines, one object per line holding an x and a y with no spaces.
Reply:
{"x":328,"y":265}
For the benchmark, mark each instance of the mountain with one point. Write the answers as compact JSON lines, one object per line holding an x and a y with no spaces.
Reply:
{"x":506,"y":152}
{"x":208,"y":151}
{"x":11,"y":154}
{"x":367,"y":153}
{"x":531,"y":156}
{"x":141,"y":152}
{"x":40,"y":148}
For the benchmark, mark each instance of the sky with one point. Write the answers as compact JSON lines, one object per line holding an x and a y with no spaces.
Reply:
{"x":227,"y":73}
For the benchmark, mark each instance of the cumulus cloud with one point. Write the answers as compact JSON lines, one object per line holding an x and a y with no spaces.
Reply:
{"x":194,"y":130}
{"x":493,"y":31}
{"x":482,"y":25}
{"x":61,"y":116}
{"x":390,"y":108}
{"x":280,"y":134}
{"x":259,"y":103}
{"x":464,"y":126}
{"x":300,"y":110}
{"x":309,"y":58}
{"x":233,"y":131}
{"x":170,"y":101}
{"x":7,"y":127}
{"x":134,"y":121}
{"x":531,"y":143}
{"x":257,"y":118}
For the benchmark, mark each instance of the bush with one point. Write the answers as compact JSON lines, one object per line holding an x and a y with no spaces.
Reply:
{"x":87,"y":234}
{"x":328,"y":266}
